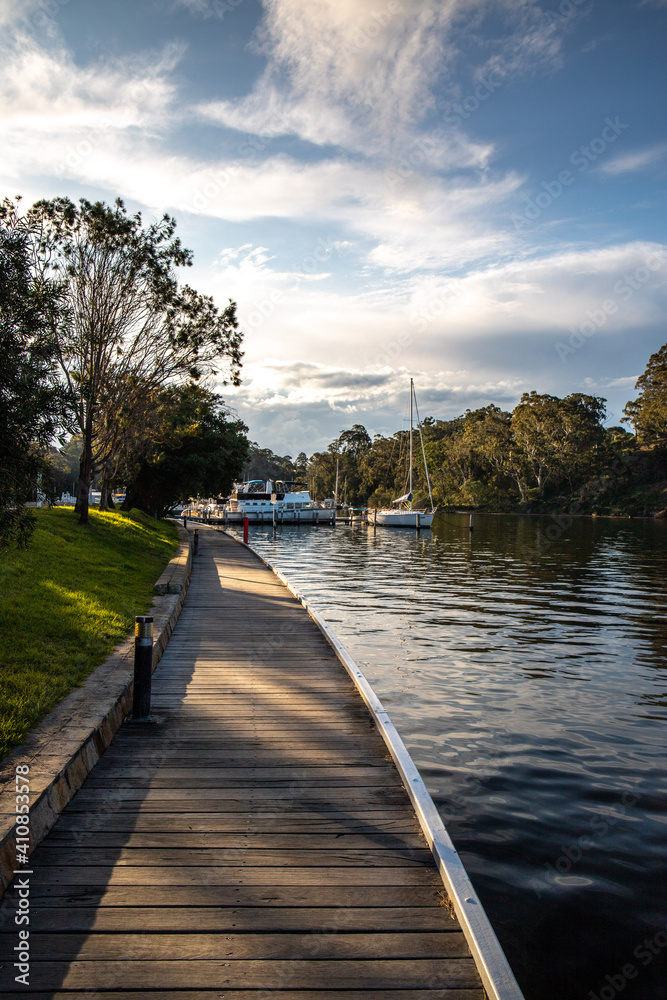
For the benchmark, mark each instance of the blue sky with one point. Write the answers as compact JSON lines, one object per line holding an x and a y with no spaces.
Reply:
{"x":469,"y":192}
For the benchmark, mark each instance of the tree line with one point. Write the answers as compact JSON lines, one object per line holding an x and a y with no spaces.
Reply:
{"x":100,"y":342}
{"x":548,"y":453}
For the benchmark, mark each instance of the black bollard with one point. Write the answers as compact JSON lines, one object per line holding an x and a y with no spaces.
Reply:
{"x":195,"y":534}
{"x":185,"y":521}
{"x":143,"y":668}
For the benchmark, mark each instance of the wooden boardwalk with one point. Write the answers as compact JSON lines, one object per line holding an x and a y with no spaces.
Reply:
{"x":254,"y":841}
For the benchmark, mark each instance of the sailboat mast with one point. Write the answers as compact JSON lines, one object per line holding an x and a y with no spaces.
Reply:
{"x":411,"y":395}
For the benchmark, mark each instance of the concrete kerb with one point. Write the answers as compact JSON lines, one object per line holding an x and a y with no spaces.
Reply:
{"x":67,"y":744}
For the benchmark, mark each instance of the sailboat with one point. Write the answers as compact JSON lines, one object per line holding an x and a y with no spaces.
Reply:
{"x":405,"y":516}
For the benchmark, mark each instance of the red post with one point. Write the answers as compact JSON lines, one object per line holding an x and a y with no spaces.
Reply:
{"x":246,"y":522}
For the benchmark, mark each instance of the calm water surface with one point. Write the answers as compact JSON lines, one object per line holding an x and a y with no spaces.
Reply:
{"x":526,"y":669}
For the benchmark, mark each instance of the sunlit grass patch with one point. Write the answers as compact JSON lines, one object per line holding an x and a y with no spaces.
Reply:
{"x":66,"y":601}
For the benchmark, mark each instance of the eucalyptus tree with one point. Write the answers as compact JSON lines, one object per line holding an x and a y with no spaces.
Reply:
{"x":648,"y":413}
{"x":131,"y":328}
{"x":556,"y":439}
{"x":32,"y":400}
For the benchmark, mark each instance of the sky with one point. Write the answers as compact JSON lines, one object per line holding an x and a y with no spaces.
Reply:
{"x":467,"y":192}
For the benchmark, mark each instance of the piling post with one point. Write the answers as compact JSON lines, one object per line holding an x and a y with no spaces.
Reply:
{"x":472,"y":521}
{"x":246,"y":522}
{"x":143,"y":668}
{"x":195,"y":538}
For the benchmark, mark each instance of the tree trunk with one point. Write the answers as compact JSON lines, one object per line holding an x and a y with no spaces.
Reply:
{"x":519,"y":483}
{"x":106,"y":503}
{"x":85,"y":473}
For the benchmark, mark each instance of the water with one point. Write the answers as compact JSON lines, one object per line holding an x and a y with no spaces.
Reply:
{"x":526,"y":669}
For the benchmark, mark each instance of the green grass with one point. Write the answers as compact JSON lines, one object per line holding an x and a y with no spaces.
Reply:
{"x":66,"y":601}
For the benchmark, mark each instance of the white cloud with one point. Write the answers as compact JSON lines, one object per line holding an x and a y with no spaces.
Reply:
{"x":362,"y":75}
{"x":415,"y":223}
{"x":88,"y":124}
{"x":295,"y":404}
{"x":626,"y":382}
{"x":377,"y":61}
{"x":43,"y":90}
{"x":204,"y":7}
{"x":545,"y":294}
{"x":640,"y":159}
{"x":529,"y":39}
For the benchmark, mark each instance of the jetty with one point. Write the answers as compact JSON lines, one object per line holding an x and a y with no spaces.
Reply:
{"x":255,"y":840}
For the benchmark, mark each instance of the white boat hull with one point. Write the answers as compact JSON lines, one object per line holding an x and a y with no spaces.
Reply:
{"x":403,"y":518}
{"x":308,"y":516}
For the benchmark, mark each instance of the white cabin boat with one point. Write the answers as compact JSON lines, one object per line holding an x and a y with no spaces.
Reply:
{"x":281,"y":501}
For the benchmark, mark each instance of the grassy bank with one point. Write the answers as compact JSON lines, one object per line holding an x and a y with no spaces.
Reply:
{"x":66,"y":601}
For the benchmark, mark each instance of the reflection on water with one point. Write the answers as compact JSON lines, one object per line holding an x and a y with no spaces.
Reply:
{"x":525,"y":666}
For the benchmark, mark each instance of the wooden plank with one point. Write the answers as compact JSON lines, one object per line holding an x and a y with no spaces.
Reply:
{"x":294,"y":821}
{"x":312,"y":842}
{"x":175,"y":857}
{"x":304,"y":919}
{"x":278,"y":994}
{"x":229,"y":875}
{"x":243,"y":742}
{"x":249,"y":753}
{"x":407,"y":974}
{"x":275,"y":808}
{"x":212,"y":778}
{"x":225,"y":776}
{"x":260,"y":735}
{"x":196,"y":947}
{"x":58,"y":897}
{"x":185,"y":798}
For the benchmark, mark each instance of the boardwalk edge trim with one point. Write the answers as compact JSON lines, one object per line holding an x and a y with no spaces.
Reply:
{"x":497,"y":976}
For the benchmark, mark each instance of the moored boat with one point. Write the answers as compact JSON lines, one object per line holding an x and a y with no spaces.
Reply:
{"x":282,"y":501}
{"x":406,"y":516}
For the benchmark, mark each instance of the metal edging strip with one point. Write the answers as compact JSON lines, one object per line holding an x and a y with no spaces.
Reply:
{"x":492,"y":965}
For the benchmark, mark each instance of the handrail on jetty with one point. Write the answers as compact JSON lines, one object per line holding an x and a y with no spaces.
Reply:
{"x":497,"y":976}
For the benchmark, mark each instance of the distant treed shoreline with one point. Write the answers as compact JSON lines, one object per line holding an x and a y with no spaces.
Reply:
{"x":548,"y":454}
